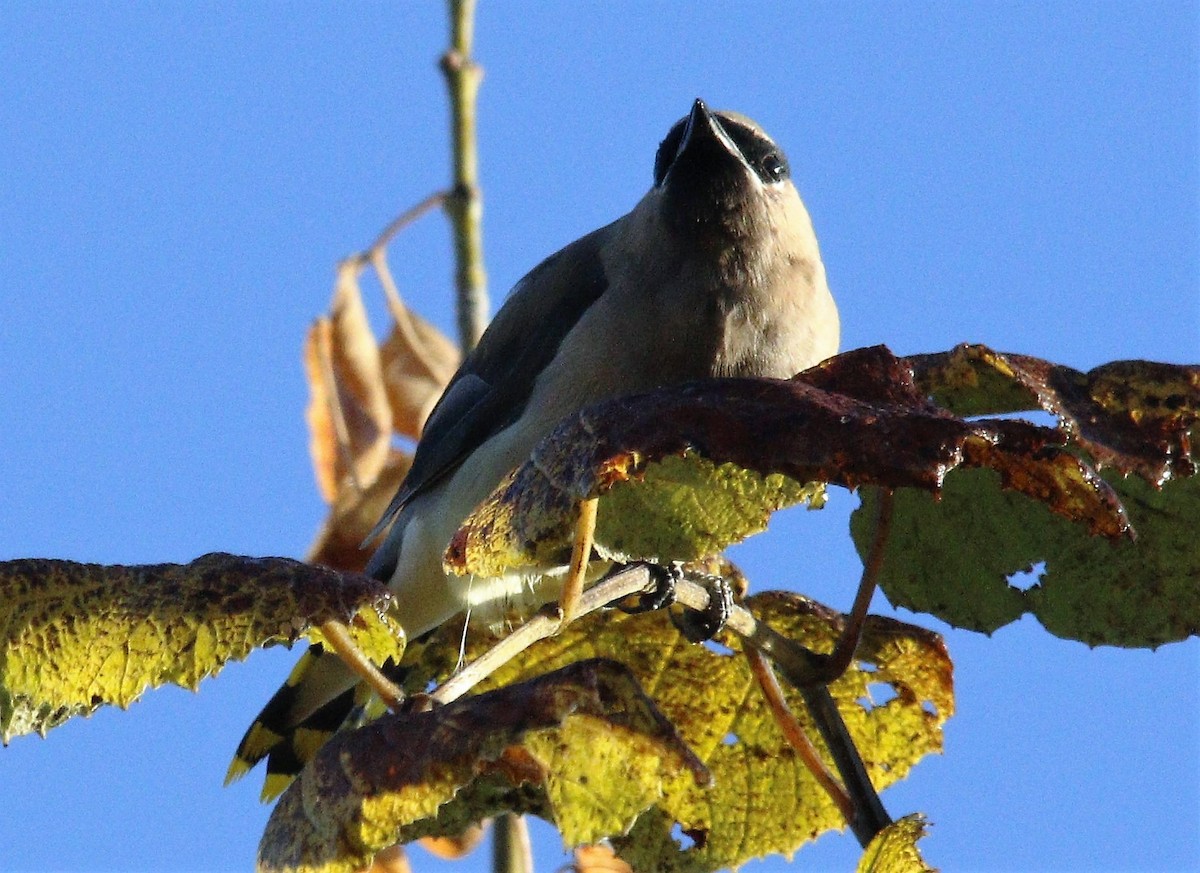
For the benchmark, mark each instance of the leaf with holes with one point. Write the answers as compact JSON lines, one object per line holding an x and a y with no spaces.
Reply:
{"x":953,"y":556}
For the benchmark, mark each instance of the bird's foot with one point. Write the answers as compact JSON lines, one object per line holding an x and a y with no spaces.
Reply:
{"x":697,"y":626}
{"x":663,"y":577}
{"x":701,"y":625}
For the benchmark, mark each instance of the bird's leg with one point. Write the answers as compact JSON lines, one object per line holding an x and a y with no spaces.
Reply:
{"x":581,"y":552}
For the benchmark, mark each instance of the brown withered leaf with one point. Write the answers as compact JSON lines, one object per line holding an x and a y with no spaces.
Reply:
{"x":857,"y":420}
{"x":1134,"y":416}
{"x":325,"y":447}
{"x":390,"y":860}
{"x":350,"y":418}
{"x":418,"y":361}
{"x":451,"y":848}
{"x":369,"y":787}
{"x":74,"y":637}
{"x":598,"y":858}
{"x":339,"y":543}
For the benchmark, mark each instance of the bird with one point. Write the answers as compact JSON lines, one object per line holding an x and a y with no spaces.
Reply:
{"x":715,"y":272}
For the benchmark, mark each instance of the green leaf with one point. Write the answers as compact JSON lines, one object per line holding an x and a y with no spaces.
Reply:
{"x":686,"y":508}
{"x":952,"y":557}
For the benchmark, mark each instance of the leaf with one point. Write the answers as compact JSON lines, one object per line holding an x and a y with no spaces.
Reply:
{"x":361,"y":391}
{"x":418,"y":361}
{"x":894,"y":849}
{"x":74,"y":637}
{"x":763,"y":800}
{"x":856,"y":420}
{"x":508,"y":748}
{"x":598,"y":858}
{"x":953,"y":557}
{"x":349,"y":417}
{"x":1131,"y":415}
{"x":340,"y":542}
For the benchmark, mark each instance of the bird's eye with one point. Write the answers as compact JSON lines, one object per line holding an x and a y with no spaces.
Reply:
{"x":775,"y":167}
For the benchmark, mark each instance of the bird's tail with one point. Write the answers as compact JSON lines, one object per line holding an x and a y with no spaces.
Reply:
{"x":320,"y":697}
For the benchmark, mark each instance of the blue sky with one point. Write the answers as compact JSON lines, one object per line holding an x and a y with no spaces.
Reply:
{"x":177,"y":182}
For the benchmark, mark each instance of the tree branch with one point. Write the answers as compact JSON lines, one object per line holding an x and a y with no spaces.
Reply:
{"x":465,"y":204}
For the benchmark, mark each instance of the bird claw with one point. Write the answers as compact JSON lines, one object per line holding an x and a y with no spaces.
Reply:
{"x":664,"y":577}
{"x":697,"y":626}
{"x":701,"y":625}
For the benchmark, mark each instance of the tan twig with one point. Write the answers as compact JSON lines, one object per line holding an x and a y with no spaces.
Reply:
{"x":581,"y":552}
{"x":401,"y":221}
{"x":546,"y":623}
{"x":375,"y":256}
{"x":337,"y":635}
{"x":400,"y":313}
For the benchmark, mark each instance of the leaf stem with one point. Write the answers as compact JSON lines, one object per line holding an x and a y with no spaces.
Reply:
{"x":843,"y":653}
{"x":794,"y":733}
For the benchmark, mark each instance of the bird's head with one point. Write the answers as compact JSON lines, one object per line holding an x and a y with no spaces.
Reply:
{"x":720,"y":173}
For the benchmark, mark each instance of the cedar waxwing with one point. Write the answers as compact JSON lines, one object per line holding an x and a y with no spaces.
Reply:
{"x":715,"y":272}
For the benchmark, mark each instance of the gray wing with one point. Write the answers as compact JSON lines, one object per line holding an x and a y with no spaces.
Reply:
{"x":493,"y":384}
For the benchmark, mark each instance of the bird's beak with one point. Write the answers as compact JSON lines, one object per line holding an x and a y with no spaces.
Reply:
{"x":704,"y":135}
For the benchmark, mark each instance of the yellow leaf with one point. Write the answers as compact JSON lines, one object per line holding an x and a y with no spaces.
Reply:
{"x":894,"y":849}
{"x":763,"y":800}
{"x":413,"y":774}
{"x":74,"y":637}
